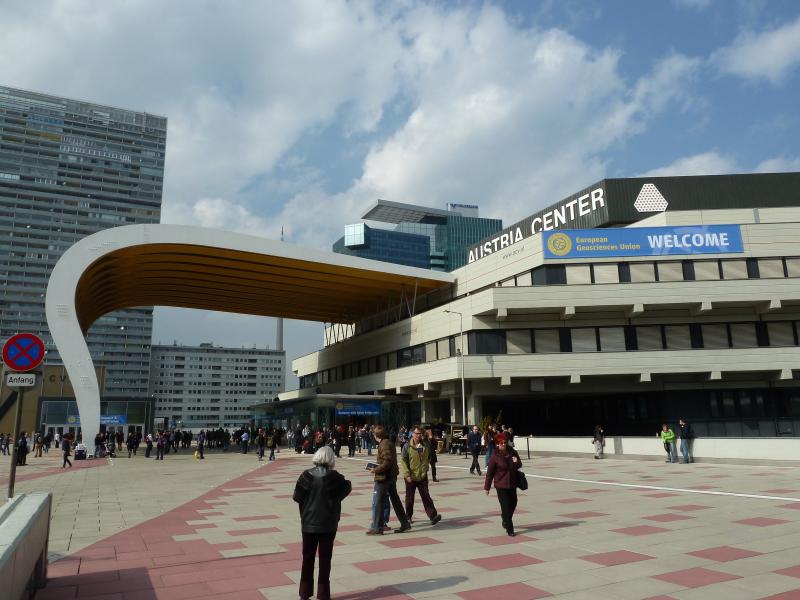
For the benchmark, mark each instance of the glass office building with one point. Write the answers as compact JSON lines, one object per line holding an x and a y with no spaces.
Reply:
{"x":68,"y":169}
{"x":397,"y":247}
{"x":447,"y":234}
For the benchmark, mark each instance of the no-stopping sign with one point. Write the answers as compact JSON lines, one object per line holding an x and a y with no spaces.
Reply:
{"x":23,"y":352}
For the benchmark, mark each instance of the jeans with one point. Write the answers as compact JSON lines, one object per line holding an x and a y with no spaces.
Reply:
{"x":244,"y":446}
{"x":685,"y":450}
{"x":312,"y":542}
{"x":672,"y":455}
{"x":489,"y":452}
{"x":272,"y":453}
{"x":424,"y":494}
{"x":381,"y":491}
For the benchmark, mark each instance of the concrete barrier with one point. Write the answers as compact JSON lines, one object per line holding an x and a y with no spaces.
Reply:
{"x":760,"y":450}
{"x":24,"y":529}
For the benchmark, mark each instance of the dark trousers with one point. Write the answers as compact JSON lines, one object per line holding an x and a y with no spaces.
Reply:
{"x":311,"y":542}
{"x":159,"y":453}
{"x":244,"y":446}
{"x":424,"y":494}
{"x":351,"y":449}
{"x":200,"y":451}
{"x":382,"y":490}
{"x":476,"y":450}
{"x":508,"y":504}
{"x":147,"y":451}
{"x":433,"y":471}
{"x":66,"y":460}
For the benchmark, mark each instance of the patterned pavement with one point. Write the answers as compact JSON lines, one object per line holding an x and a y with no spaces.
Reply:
{"x":586,"y":529}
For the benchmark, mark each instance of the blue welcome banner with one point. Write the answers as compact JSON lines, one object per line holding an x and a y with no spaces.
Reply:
{"x":643,"y":241}
{"x":357,"y":409}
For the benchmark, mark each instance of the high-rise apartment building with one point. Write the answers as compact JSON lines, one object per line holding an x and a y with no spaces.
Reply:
{"x":207,"y":386}
{"x":448,"y":234}
{"x":70,"y":168}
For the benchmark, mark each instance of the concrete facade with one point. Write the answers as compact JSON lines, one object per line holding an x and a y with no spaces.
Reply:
{"x":746,"y":384}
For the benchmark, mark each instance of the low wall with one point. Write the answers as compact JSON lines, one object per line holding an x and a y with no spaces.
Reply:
{"x":774,"y":450}
{"x":24,"y":529}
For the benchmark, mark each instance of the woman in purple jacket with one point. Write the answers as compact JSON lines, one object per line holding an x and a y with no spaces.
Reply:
{"x":502,"y":471}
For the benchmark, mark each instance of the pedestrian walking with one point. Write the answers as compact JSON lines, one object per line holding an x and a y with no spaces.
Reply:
{"x":245,"y":440}
{"x":488,"y":443}
{"x":668,"y":438}
{"x":272,"y":443}
{"x":319,"y":492}
{"x":148,"y":442}
{"x":433,"y":444}
{"x":599,"y":441}
{"x":385,"y":476}
{"x":65,"y":448}
{"x":474,"y":441}
{"x":687,"y":435}
{"x":161,"y":441}
{"x":503,"y":472}
{"x":414,"y":464}
{"x":261,"y":443}
{"x":201,"y":444}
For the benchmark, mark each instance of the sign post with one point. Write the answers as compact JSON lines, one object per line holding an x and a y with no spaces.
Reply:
{"x":21,"y":353}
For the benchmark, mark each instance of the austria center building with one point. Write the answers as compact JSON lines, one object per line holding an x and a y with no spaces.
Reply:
{"x":630,"y":303}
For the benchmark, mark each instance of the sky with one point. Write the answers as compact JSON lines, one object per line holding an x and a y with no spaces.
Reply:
{"x":296,"y":116}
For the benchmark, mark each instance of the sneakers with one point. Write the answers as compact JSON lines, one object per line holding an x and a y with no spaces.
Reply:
{"x":403,"y":528}
{"x":436,"y":519}
{"x":374,"y":532}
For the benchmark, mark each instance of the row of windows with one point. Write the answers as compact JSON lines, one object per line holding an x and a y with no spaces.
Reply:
{"x":577,"y":339}
{"x":651,"y":271}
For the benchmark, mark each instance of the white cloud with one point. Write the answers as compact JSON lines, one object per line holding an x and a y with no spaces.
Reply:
{"x":779,"y":164}
{"x":445,"y":102}
{"x":768,"y":55}
{"x":707,"y":163}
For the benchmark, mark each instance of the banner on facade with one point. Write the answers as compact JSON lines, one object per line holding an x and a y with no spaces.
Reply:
{"x":357,"y":409}
{"x":643,"y":241}
{"x":104,"y":420}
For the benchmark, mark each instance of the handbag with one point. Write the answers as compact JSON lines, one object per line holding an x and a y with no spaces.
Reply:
{"x":522,"y":481}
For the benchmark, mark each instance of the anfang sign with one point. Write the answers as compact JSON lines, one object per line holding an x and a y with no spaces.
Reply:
{"x":20,"y":380}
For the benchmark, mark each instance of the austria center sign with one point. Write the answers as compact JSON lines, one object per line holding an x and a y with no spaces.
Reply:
{"x":643,"y":241}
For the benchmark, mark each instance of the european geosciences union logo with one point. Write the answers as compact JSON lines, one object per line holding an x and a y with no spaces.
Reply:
{"x":559,"y":244}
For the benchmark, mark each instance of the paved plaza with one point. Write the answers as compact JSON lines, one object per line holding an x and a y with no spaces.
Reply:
{"x":226,"y":528}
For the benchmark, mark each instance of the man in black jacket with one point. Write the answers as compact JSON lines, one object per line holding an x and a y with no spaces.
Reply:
{"x":474,"y":440}
{"x":687,"y":435}
{"x":319,"y":492}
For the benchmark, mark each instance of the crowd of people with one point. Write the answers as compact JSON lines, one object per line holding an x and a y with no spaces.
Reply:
{"x":320,"y":490}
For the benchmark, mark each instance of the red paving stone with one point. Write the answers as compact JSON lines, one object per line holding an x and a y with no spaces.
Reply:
{"x":254,"y":531}
{"x":790,"y":595}
{"x":593,"y":491}
{"x":390,"y":564}
{"x":256,"y":518}
{"x":640,"y":530}
{"x":618,"y":557}
{"x":689,"y":507}
{"x":584,"y":515}
{"x":502,"y":540}
{"x":792,"y":505}
{"x":517,"y":591}
{"x":667,"y":517}
{"x":696,"y":577}
{"x":761,"y":522}
{"x":724,"y":553}
{"x":504,"y":561}
{"x":381,"y":593}
{"x":779,"y":491}
{"x":409,"y":541}
{"x":790,"y":572}
{"x":571,"y":500}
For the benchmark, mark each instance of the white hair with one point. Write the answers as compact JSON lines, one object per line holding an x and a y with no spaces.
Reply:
{"x":324,"y":457}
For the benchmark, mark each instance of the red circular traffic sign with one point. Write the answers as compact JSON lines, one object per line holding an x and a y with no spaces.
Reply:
{"x":23,"y":352}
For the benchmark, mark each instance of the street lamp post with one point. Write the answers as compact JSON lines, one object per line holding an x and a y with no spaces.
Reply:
{"x":460,"y":354}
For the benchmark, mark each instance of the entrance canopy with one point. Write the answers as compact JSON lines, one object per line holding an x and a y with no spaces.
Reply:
{"x":191,"y":267}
